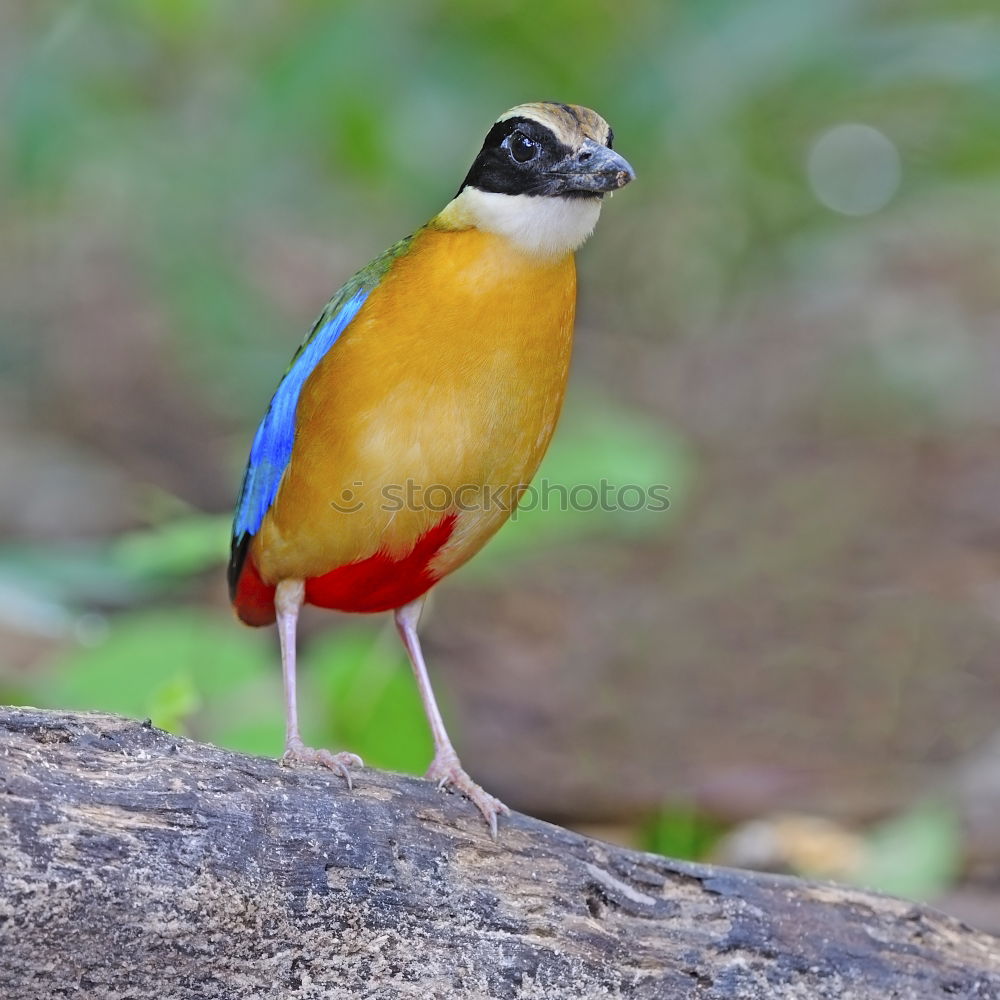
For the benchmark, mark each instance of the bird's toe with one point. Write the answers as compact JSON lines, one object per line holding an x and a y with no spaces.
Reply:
{"x":449,"y":773}
{"x":296,"y":752}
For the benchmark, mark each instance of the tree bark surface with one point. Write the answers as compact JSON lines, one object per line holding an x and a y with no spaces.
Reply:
{"x":136,"y":864}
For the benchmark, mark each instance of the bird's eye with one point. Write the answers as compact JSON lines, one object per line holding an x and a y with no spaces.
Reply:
{"x":521,"y":148}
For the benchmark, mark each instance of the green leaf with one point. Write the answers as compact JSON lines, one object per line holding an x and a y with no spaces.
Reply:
{"x":681,"y":832}
{"x":181,"y":547}
{"x":173,"y":701}
{"x":916,"y":855}
{"x":165,"y":665}
{"x":49,"y":581}
{"x":369,"y":698}
{"x":249,"y":717}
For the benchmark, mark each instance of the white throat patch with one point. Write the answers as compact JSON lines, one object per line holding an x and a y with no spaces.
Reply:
{"x":538,"y":225}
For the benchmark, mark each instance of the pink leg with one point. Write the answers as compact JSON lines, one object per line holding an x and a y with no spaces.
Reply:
{"x":288,"y":598}
{"x":445,"y":769}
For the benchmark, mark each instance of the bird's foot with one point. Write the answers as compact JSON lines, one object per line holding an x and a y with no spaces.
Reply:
{"x":446,"y":770}
{"x":296,"y":752}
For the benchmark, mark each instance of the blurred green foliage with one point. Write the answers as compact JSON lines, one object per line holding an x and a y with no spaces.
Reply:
{"x":917,"y":854}
{"x":190,"y":125}
{"x":679,"y":831}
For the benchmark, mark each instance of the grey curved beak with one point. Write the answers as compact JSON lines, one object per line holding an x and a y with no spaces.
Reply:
{"x":593,"y":169}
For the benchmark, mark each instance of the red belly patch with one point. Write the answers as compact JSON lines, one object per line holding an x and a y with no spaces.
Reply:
{"x":378,"y":583}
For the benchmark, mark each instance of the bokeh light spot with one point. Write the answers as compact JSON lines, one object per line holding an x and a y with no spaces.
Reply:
{"x":854,"y":169}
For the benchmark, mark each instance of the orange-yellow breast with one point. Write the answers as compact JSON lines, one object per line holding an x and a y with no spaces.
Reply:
{"x":440,"y":397}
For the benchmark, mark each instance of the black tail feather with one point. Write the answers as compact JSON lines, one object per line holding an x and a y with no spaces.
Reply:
{"x":237,"y":557}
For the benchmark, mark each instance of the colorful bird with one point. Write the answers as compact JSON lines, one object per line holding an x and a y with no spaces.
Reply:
{"x":421,"y":404}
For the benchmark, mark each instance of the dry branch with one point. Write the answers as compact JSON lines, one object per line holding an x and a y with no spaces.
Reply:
{"x":134,"y":864}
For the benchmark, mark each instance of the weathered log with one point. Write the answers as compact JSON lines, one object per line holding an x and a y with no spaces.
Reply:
{"x":135,"y":864}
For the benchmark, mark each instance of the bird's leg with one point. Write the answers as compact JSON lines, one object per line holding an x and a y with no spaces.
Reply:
{"x":288,"y":598}
{"x":445,"y":769}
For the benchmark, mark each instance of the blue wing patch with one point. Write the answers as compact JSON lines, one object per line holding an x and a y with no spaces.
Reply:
{"x":275,"y":437}
{"x":272,"y":444}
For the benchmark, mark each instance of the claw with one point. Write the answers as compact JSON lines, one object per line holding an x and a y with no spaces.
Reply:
{"x":448,"y":772}
{"x":296,"y":752}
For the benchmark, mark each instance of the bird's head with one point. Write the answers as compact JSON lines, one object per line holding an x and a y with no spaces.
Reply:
{"x":540,"y":177}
